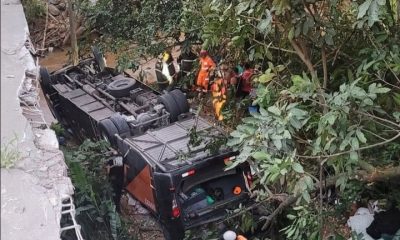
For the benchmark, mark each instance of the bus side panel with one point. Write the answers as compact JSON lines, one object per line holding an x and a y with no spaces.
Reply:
{"x":141,"y":187}
{"x":138,"y":175}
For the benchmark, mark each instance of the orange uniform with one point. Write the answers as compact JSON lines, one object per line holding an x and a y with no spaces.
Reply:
{"x":218,"y":92}
{"x":206,"y":64}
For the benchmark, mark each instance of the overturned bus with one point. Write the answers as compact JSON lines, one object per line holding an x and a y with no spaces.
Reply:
{"x":184,"y":185}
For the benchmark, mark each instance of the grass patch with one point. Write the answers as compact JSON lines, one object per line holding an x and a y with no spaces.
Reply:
{"x":10,"y":153}
{"x":34,"y":9}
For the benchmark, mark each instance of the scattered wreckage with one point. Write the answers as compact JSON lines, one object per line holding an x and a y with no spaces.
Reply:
{"x":183,"y":184}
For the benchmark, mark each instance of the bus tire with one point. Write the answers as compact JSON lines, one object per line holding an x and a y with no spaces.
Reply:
{"x":120,"y":123}
{"x":107,"y":131}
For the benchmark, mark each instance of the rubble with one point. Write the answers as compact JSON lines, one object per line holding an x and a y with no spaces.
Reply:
{"x":52,"y":31}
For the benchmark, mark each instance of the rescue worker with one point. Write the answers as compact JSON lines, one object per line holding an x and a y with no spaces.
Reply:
{"x":116,"y":172}
{"x":231,"y":235}
{"x":165,"y":71}
{"x":206,"y":66}
{"x":245,"y":86}
{"x":218,"y":93}
{"x":168,"y":68}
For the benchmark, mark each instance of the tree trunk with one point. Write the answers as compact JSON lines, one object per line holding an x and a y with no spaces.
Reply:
{"x":72,"y":28}
{"x":398,"y":11}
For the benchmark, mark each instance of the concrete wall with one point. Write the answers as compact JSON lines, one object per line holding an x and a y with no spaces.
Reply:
{"x":31,"y":190}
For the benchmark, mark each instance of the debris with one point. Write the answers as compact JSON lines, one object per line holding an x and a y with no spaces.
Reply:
{"x":55,"y":2}
{"x":359,"y":224}
{"x":47,"y":139}
{"x":385,"y":222}
{"x":139,"y":209}
{"x":360,"y":221}
{"x":61,"y":6}
{"x":53,"y":10}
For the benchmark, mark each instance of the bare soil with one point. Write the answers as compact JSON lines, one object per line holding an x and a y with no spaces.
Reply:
{"x":142,"y":225}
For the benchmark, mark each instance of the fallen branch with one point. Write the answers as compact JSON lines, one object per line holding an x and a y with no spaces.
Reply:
{"x":45,"y":26}
{"x":360,"y":175}
{"x":55,"y":19}
{"x":289,"y":201}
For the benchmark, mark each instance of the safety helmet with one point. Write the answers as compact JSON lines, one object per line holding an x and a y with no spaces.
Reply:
{"x":203,"y":52}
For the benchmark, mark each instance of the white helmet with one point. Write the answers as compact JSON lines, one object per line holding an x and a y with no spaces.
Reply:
{"x":229,"y":235}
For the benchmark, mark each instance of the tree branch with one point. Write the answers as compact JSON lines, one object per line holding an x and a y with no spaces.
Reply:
{"x":361,"y":175}
{"x":349,"y":151}
{"x":324,"y":67}
{"x":378,"y":118}
{"x":303,"y":57}
{"x":289,"y":201}
{"x":272,"y":47}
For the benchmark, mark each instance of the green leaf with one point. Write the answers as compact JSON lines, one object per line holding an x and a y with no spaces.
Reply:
{"x":297,"y":208}
{"x":291,"y":217}
{"x":263,"y":112}
{"x":242,"y":7}
{"x":306,"y":196}
{"x":291,"y":34}
{"x":341,"y":182}
{"x":344,"y":144}
{"x":354,"y":143}
{"x":368,"y":101}
{"x":297,"y":167}
{"x":329,"y":39}
{"x":308,"y":180}
{"x":363,"y":8}
{"x":287,"y":135}
{"x":295,"y":123}
{"x":396,"y":115}
{"x":307,"y":25}
{"x":353,"y":156}
{"x":234,"y":141}
{"x":274,"y":110}
{"x":236,"y":134}
{"x":361,"y":136}
{"x":373,"y":13}
{"x":235,"y":38}
{"x":331,"y":119}
{"x":298,"y":113}
{"x":396,"y":98}
{"x":264,"y":78}
{"x":265,"y":25}
{"x":260,"y":155}
{"x":277,"y":143}
{"x":382,"y":90}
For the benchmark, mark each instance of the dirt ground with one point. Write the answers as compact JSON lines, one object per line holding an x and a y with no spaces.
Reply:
{"x":141,"y":223}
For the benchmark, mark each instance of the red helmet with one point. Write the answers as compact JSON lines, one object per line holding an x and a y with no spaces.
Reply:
{"x":203,"y":52}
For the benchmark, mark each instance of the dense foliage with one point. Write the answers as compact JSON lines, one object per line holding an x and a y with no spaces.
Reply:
{"x":95,"y":209}
{"x":34,"y":10}
{"x":133,"y":29}
{"x":329,"y":92}
{"x":329,"y":97}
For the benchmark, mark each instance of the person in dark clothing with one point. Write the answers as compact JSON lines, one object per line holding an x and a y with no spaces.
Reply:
{"x":185,"y":61}
{"x":115,"y":171}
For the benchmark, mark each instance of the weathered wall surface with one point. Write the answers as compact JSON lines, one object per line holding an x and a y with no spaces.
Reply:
{"x":32,"y":190}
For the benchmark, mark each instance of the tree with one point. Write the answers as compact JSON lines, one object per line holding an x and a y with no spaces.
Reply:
{"x":72,"y":24}
{"x":329,"y":97}
{"x":134,"y":29}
